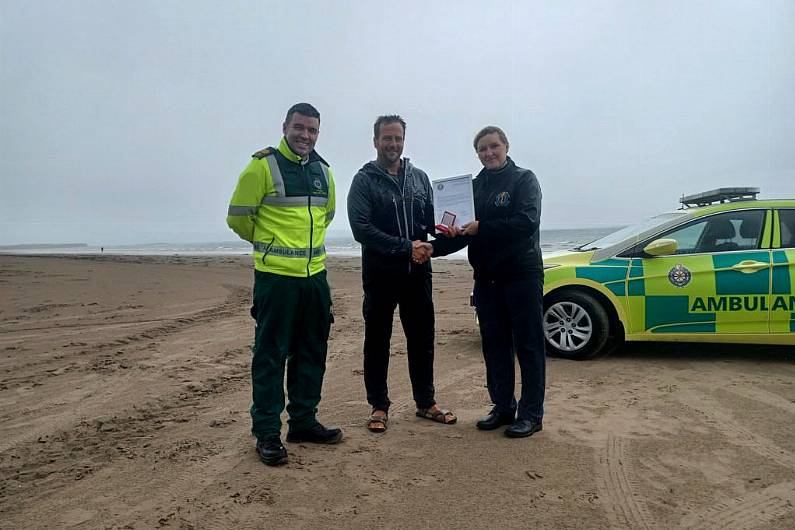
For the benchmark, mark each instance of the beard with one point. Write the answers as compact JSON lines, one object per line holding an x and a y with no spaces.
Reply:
{"x":391,"y":156}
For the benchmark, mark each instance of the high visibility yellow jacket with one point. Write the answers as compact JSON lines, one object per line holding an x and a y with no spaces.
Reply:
{"x":283,"y":205}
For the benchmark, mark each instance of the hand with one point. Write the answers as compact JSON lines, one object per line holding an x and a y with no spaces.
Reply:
{"x":452,"y":231}
{"x":470,"y":229}
{"x":421,"y":251}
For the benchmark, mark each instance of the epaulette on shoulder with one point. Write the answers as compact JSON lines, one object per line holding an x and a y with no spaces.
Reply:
{"x":262,"y":153}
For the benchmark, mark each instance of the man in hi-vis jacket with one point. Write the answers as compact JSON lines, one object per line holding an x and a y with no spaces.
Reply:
{"x":283,"y":203}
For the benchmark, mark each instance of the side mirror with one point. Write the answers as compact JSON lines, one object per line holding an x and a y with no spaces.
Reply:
{"x":661,"y":247}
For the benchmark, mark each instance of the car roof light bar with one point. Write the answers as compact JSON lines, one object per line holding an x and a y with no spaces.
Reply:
{"x":719,"y":195}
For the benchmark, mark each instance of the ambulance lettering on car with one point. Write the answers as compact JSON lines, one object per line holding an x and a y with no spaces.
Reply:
{"x":720,"y":269}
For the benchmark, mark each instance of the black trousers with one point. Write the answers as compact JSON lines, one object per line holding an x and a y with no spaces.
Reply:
{"x":511,"y":324}
{"x":413,"y":294}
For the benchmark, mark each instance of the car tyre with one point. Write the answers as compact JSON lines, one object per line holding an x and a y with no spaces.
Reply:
{"x":576,"y":325}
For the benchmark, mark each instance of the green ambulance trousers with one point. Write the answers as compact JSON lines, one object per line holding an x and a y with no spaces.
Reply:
{"x":293,"y":322}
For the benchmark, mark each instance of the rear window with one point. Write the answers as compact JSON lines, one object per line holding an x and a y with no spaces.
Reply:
{"x":787,"y":224}
{"x":724,"y":232}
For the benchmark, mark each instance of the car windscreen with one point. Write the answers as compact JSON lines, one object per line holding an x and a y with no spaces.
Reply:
{"x":630,"y":231}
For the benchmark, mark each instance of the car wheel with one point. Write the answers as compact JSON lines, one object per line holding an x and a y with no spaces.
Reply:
{"x":576,"y":326}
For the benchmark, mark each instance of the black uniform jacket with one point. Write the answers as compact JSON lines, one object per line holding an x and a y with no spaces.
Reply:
{"x":386,"y":217}
{"x":508,"y":208}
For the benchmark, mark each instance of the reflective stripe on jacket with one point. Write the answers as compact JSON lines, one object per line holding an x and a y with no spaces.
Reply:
{"x":283,"y":205}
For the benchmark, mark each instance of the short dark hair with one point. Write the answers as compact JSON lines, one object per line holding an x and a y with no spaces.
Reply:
{"x":490,"y":130}
{"x":386,"y":120}
{"x":304,"y":109}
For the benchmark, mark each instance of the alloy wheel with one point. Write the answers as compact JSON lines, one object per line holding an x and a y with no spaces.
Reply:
{"x":567,"y":326}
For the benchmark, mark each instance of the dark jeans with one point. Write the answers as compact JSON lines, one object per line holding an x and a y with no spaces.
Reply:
{"x":413,"y":293}
{"x":511,"y":322}
{"x":293,"y":321}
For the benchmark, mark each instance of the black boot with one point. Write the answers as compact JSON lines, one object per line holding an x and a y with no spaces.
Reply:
{"x":316,"y":435}
{"x":271,"y":451}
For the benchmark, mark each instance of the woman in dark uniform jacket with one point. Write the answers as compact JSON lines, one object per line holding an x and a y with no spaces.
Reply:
{"x":509,"y":280}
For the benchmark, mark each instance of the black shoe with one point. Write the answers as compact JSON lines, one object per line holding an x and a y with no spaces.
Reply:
{"x":316,"y":435}
{"x":522,"y":428}
{"x":271,"y":451}
{"x":494,"y":419}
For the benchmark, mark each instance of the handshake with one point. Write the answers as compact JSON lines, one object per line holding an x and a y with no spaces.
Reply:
{"x":421,"y":251}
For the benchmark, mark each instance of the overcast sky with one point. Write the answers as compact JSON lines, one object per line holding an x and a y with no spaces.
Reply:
{"x":129,"y":122}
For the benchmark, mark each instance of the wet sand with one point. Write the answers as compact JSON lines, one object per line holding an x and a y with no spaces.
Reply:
{"x":124,"y":395}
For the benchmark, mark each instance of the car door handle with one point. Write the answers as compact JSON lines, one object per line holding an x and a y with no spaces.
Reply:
{"x":748,"y":266}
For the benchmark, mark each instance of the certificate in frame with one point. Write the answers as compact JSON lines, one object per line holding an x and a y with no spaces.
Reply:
{"x":453,"y":201}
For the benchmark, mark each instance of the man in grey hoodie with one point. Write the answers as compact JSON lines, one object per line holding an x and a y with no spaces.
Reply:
{"x":390,"y":209}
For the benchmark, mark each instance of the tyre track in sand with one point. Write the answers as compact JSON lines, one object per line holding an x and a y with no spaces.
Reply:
{"x":703,"y":405}
{"x":97,"y":403}
{"x":85,"y":356}
{"x":754,"y":510}
{"x":763,"y":396}
{"x":617,"y":487}
{"x":229,"y":306}
{"x":148,"y":430}
{"x":757,"y":509}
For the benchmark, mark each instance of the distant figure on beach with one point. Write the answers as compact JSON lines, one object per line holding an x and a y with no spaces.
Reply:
{"x":390,"y":209}
{"x":505,"y":254}
{"x":283,"y":203}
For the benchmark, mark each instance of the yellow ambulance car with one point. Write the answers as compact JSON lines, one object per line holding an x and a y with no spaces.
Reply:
{"x":720,"y":269}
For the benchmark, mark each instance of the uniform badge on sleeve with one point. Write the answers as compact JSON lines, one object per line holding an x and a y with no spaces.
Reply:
{"x":679,"y":275}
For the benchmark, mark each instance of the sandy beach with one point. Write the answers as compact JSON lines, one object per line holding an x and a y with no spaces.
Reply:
{"x":124,"y":395}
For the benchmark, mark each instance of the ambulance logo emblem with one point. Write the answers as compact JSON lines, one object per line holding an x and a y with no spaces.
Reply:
{"x":679,"y":275}
{"x":318,"y":184}
{"x":502,"y":199}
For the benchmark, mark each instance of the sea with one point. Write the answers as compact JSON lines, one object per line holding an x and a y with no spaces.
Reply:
{"x":336,"y":245}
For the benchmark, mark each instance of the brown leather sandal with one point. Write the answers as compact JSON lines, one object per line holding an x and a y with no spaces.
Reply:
{"x":438,"y":415}
{"x":377,"y":422}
